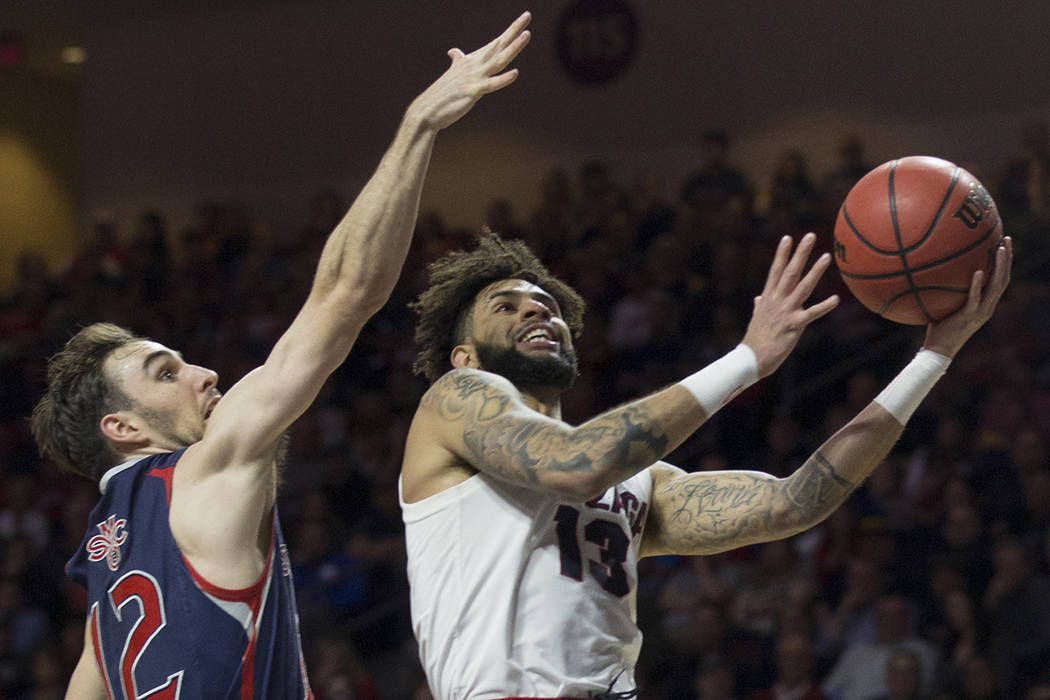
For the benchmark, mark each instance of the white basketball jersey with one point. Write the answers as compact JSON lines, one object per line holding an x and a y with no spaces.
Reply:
{"x":516,"y":592}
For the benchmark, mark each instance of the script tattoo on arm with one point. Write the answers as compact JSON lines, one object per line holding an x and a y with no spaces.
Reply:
{"x":710,"y":512}
{"x":505,"y":438}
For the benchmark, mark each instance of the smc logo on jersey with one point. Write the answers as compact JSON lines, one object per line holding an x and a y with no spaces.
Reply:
{"x":106,"y":544}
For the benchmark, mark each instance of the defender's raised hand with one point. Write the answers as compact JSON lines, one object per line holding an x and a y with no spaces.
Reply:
{"x":780,"y":313}
{"x":472,"y":75}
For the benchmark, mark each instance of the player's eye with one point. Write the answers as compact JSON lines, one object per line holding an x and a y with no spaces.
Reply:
{"x":166,"y":375}
{"x":504,"y":306}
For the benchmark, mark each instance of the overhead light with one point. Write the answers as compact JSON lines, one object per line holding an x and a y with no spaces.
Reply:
{"x":74,"y":55}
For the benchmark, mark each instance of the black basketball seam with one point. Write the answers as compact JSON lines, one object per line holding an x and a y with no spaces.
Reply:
{"x":860,"y":236}
{"x":936,"y":288}
{"x":928,"y":265}
{"x":940,"y":210}
{"x":929,"y":288}
{"x":900,"y":248}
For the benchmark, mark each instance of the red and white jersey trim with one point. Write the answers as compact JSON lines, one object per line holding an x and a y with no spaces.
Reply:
{"x":242,"y":604}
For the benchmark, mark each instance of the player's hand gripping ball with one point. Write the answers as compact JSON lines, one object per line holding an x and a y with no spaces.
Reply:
{"x":910,"y":235}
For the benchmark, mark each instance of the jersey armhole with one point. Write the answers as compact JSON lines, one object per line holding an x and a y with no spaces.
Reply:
{"x":237,"y":595}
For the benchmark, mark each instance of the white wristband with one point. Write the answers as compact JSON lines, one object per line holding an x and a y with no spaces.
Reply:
{"x":907,"y":390}
{"x":715,"y":385}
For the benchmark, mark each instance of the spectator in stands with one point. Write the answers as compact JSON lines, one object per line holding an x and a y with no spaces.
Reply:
{"x":716,"y":184}
{"x":1019,"y":618}
{"x":1024,"y":187}
{"x":852,"y":620}
{"x":980,"y":682}
{"x":714,"y":678}
{"x":904,"y":677}
{"x":794,"y":663}
{"x":860,"y":672}
{"x":851,"y":166}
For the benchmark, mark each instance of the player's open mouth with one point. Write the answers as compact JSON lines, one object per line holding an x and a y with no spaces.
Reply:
{"x":211,"y":407}
{"x":539,"y":337}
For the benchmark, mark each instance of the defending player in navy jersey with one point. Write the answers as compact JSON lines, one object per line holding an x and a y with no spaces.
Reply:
{"x":187,"y":574}
{"x":524,"y":532}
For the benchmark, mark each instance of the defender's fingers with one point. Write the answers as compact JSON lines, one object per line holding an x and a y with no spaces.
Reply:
{"x":808,"y":283}
{"x":498,"y":82}
{"x":793,"y":271}
{"x":516,"y":27}
{"x":776,"y":269}
{"x":509,"y":34}
{"x":511,"y":52}
{"x":822,"y":309}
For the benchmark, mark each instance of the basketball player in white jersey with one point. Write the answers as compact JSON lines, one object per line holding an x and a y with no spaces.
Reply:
{"x":524,"y":532}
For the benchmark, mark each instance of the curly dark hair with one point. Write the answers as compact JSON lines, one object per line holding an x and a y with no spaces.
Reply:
{"x":455,"y":280}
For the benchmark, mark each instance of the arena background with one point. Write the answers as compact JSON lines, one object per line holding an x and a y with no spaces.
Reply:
{"x":267,"y":101}
{"x":181,"y":180}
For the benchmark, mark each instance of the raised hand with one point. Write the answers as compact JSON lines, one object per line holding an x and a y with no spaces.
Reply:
{"x":780,"y":314}
{"x":949,"y":334}
{"x":472,"y":75}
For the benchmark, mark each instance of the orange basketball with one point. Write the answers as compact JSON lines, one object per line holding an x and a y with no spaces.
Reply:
{"x":910,"y":235}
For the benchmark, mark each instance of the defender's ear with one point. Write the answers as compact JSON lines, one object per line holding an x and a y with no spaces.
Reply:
{"x":123,"y":428}
{"x":464,"y":356}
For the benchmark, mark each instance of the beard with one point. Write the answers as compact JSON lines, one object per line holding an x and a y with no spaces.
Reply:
{"x":558,"y":371}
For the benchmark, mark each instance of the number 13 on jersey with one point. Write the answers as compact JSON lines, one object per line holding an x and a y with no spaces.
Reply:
{"x":613,"y":545}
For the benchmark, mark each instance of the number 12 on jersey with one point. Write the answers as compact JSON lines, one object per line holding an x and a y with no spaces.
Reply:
{"x":136,"y":589}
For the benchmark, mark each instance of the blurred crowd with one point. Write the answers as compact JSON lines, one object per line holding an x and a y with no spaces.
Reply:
{"x":932,"y":581}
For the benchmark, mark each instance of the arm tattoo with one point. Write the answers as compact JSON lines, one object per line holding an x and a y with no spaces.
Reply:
{"x":817,"y":487}
{"x":516,"y":446}
{"x":465,"y":394}
{"x":712,"y":499}
{"x":711,"y":513}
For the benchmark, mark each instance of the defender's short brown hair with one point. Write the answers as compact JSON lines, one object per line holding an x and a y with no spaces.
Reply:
{"x":65,"y":421}
{"x":455,"y":280}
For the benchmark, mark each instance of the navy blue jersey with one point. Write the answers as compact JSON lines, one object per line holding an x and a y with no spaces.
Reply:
{"x":160,"y":630}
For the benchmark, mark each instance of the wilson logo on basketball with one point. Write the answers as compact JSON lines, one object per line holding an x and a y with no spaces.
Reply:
{"x":840,"y":251}
{"x":106,"y":544}
{"x":972,"y":210}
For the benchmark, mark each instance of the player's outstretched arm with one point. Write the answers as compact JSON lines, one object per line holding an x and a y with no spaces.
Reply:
{"x":225,"y":485}
{"x":708,"y":512}
{"x":363,"y":256}
{"x":361,"y":260}
{"x":483,"y":422}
